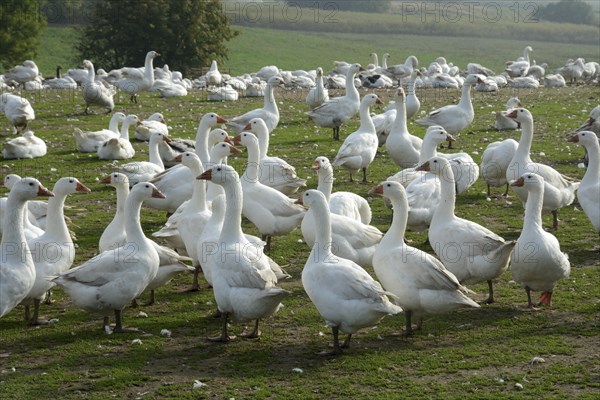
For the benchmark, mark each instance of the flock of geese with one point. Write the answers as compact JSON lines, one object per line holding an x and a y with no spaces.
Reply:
{"x":206,"y":198}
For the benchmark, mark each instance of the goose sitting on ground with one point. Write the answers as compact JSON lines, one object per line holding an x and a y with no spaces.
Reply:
{"x":588,"y":193}
{"x":213,"y":77}
{"x":119,"y":148}
{"x":359,"y":148}
{"x":336,"y":111}
{"x":559,"y":191}
{"x":554,"y":80}
{"x":318,"y":94}
{"x":503,"y":123}
{"x":16,"y":265}
{"x":244,"y":285}
{"x":58,"y":239}
{"x":419,"y":281}
{"x":18,"y":111}
{"x":223,"y":93}
{"x":96,"y":92}
{"x":537,"y":262}
{"x":470,"y":251}
{"x":342,"y":203}
{"x":60,"y":82}
{"x":520,"y":67}
{"x":345,"y":295}
{"x":135,"y":80}
{"x":90,"y":141}
{"x":26,"y":72}
{"x":111,"y":280}
{"x":269,"y":112}
{"x":155,"y":122}
{"x":26,"y":146}
{"x":141,"y":171}
{"x":274,"y":171}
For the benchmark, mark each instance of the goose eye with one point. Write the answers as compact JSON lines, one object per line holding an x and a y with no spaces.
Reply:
{"x":435,"y":161}
{"x":30,"y":183}
{"x":71,"y":181}
{"x":388,"y":185}
{"x":147,"y":186}
{"x":218,"y":169}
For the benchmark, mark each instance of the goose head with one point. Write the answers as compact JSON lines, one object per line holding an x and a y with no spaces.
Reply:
{"x":321,"y":163}
{"x":513,"y":102}
{"x":520,"y":115}
{"x":212,"y":119}
{"x":119,"y":116}
{"x":530,"y":181}
{"x":437,"y":165}
{"x":371,"y":99}
{"x":255,"y":125}
{"x":157,"y":117}
{"x":219,"y":174}
{"x":152,"y":55}
{"x":319,"y":72}
{"x":438,"y":135}
{"x":311,"y":197}
{"x":146,"y":190}
{"x":188,"y":158}
{"x":400,"y":95}
{"x":276,"y":81}
{"x":389,"y":189}
{"x":29,"y":188}
{"x":246,"y":139}
{"x":355,"y":69}
{"x":585,"y":138}
{"x":156,"y":137}
{"x":10,"y":180}
{"x":116,"y":179}
{"x":68,"y":185}
{"x":223,"y":149}
{"x":87,"y":65}
{"x":217,"y":136}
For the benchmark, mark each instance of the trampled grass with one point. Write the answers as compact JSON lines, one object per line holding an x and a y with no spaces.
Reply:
{"x":466,"y":354}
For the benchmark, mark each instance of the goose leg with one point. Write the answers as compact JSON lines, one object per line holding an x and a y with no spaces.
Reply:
{"x":36,"y":320}
{"x":506,"y":191}
{"x":346,"y":343}
{"x":119,"y":325}
{"x":224,"y":337}
{"x":365,"y":175}
{"x":408,"y":329}
{"x":336,"y":343}
{"x":134,"y":303}
{"x":195,"y":284}
{"x":255,"y":333}
{"x":27,"y":313}
{"x":489,"y":191}
{"x":554,"y":220}
{"x":49,"y":297}
{"x":490,"y":298}
{"x":529,"y":302}
{"x":151,"y":300}
{"x":267,"y":240}
{"x":105,"y":323}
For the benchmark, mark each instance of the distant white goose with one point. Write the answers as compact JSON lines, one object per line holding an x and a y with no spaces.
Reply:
{"x":537,"y":261}
{"x":16,"y":263}
{"x":244,"y":285}
{"x":274,"y":171}
{"x":558,"y":190}
{"x":213,"y":76}
{"x":470,"y":251}
{"x":17,"y":110}
{"x":504,"y":123}
{"x":26,"y":146}
{"x":336,"y":111}
{"x":108,"y":282}
{"x":222,"y":93}
{"x":119,"y":148}
{"x":96,"y":92}
{"x":588,"y":193}
{"x":54,"y":251}
{"x":413,"y":105}
{"x":342,"y":203}
{"x":90,"y":141}
{"x":142,"y":171}
{"x":401,"y":71}
{"x":60,"y":82}
{"x":269,"y":112}
{"x":26,"y":72}
{"x":420,"y":282}
{"x":156,"y":122}
{"x":554,"y":80}
{"x":345,"y":295}
{"x":591,"y":124}
{"x":404,"y":149}
{"x":135,"y":80}
{"x":359,"y":148}
{"x":318,"y":94}
{"x":520,"y":67}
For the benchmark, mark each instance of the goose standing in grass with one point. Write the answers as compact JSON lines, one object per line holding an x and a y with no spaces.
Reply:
{"x":244,"y":285}
{"x":142,"y":171}
{"x":413,"y":105}
{"x":17,"y":110}
{"x":342,"y":203}
{"x":400,"y":71}
{"x":273,"y":213}
{"x":404,"y":149}
{"x":318,"y":94}
{"x":359,"y":148}
{"x":269,"y":112}
{"x":588,"y":193}
{"x":495,"y":161}
{"x":470,"y":251}
{"x":135,"y":80}
{"x":336,"y":111}
{"x":537,"y":262}
{"x":559,"y":191}
{"x":274,"y":171}
{"x":90,"y":141}
{"x":420,"y":282}
{"x":155,"y":122}
{"x":54,"y":251}
{"x":119,"y":148}
{"x":96,"y":92}
{"x":110,"y":281}
{"x":455,"y":117}
{"x":26,"y":146}
{"x":345,"y":295}
{"x":17,"y":270}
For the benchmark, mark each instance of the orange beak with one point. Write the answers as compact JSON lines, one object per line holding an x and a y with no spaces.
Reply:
{"x":512,"y":114}
{"x":221,"y":120}
{"x":157,"y":194}
{"x":237,"y":140}
{"x":106,"y":180}
{"x":316,"y":165}
{"x":377,"y":190}
{"x":233,"y":150}
{"x":206,"y":175}
{"x":573,"y":139}
{"x":519,"y":182}
{"x":423,"y":167}
{"x":42,"y":191}
{"x":177,"y":159}
{"x":248,"y":127}
{"x":82,"y":188}
{"x":450,"y":138}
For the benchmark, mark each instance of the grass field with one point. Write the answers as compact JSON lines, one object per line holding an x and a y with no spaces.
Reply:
{"x":467,"y":354}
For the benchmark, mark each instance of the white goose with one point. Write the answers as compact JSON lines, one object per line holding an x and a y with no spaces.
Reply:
{"x":26,"y":146}
{"x":420,"y":282}
{"x":114,"y":235}
{"x":17,"y":110}
{"x":244,"y":285}
{"x":503,"y":123}
{"x":383,"y":122}
{"x":119,"y":148}
{"x":404,"y":149}
{"x":537,"y":262}
{"x":34,"y":218}
{"x":334,"y":112}
{"x":90,"y":141}
{"x":273,"y":213}
{"x":342,"y":203}
{"x":213,"y":77}
{"x":142,"y":171}
{"x":96,"y":92}
{"x":60,"y":82}
{"x":176,"y":182}
{"x":558,"y":190}
{"x":26,"y":72}
{"x":111,"y":280}
{"x":588,"y":193}
{"x":155,"y":122}
{"x":318,"y":94}
{"x":455,"y":117}
{"x":520,"y":67}
{"x":274,"y":171}
{"x":345,"y":295}
{"x":135,"y":80}
{"x":400,"y":71}
{"x":218,"y":155}
{"x":17,"y":270}
{"x":495,"y":161}
{"x":593,"y":122}
{"x":269,"y":112}
{"x":470,"y":251}
{"x":54,"y":251}
{"x":554,"y":80}
{"x":413,"y":105}
{"x":359,"y":148}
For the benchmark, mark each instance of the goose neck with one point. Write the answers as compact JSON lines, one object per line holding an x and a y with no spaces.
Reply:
{"x":55,"y":219}
{"x":232,"y":224}
{"x":322,"y":222}
{"x":395,"y":235}
{"x":592,"y":175}
{"x":365,"y":118}
{"x":113,"y":125}
{"x":91,"y":74}
{"x":263,"y":141}
{"x":325,"y":181}
{"x":251,"y":173}
{"x":533,"y":210}
{"x":202,"y":142}
{"x":399,"y":127}
{"x":133,"y":228}
{"x":13,"y":232}
{"x":125,"y":129}
{"x":445,"y":209}
{"x":465,"y":98}
{"x":149,"y":70}
{"x":351,"y":90}
{"x":524,"y":147}
{"x":198,"y":202}
{"x":428,"y":150}
{"x":270,"y":103}
{"x":154,"y":155}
